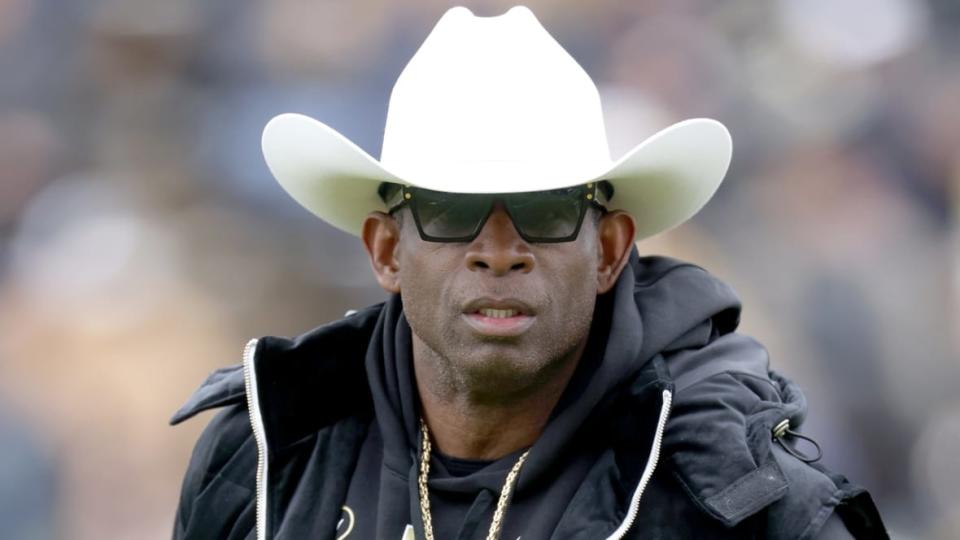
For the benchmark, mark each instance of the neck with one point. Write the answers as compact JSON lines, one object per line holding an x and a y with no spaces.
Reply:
{"x":475,"y":417}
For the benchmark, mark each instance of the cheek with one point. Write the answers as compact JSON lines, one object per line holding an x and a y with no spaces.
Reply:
{"x":575,"y":270}
{"x":571,"y":284}
{"x":579,"y":285}
{"x":423,"y":264}
{"x":424,"y":276}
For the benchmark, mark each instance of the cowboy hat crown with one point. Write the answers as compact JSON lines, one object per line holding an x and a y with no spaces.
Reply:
{"x":493,"y":104}
{"x":496,"y":105}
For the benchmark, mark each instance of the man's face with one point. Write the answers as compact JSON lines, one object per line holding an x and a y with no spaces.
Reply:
{"x":498,"y":308}
{"x":497,"y":315}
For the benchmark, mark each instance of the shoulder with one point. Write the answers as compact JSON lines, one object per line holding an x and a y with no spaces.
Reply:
{"x":227,"y":435}
{"x":225,"y":442}
{"x":726,"y":448}
{"x":218,"y":491}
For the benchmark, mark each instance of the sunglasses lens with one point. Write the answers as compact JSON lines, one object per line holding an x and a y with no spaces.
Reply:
{"x":547,"y":215}
{"x":449,"y":215}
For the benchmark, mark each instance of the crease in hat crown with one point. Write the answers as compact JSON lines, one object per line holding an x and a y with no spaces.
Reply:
{"x":496,"y":105}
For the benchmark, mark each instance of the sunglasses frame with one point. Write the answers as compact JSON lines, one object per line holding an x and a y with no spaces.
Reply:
{"x":590,"y":193}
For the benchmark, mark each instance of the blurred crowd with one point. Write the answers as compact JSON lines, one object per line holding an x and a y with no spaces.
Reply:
{"x":143,"y":240}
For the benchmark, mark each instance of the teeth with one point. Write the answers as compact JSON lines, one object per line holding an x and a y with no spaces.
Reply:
{"x":498,"y":313}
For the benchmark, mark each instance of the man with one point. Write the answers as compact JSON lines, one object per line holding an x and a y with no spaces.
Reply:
{"x":530,"y":376}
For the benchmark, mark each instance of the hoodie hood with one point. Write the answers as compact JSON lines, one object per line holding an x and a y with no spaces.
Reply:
{"x":657,"y":305}
{"x":612,"y":399}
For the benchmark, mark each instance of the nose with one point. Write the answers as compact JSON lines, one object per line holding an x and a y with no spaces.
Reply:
{"x":499,"y":249}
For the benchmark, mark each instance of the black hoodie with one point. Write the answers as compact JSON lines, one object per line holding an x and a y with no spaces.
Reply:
{"x":662,"y":346}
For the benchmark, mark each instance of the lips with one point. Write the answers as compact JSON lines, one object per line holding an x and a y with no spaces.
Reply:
{"x":499,"y":317}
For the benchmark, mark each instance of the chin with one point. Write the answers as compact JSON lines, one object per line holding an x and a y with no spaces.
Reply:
{"x":507,"y":372}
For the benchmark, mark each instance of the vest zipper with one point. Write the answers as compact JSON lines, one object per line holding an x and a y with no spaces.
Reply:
{"x":631,"y":516}
{"x":259,"y":434}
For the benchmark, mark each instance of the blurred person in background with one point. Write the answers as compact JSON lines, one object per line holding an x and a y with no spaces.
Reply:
{"x":530,"y":376}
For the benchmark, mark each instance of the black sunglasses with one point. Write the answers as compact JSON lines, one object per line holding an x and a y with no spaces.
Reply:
{"x":539,"y":216}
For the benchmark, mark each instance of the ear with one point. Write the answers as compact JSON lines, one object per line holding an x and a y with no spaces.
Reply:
{"x":615,"y":233}
{"x":381,"y":237}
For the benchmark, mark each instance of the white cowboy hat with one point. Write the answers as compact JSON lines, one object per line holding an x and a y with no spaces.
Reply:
{"x":496,"y":105}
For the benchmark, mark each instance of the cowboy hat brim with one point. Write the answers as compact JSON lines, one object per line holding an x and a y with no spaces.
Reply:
{"x":662,"y":182}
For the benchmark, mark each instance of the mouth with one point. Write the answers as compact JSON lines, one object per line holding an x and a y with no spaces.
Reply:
{"x":499,"y":318}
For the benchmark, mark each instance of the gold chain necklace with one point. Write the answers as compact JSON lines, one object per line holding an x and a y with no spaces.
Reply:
{"x":495,"y":524}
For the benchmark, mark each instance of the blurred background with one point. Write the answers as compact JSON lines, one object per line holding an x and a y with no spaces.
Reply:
{"x":143,"y":240}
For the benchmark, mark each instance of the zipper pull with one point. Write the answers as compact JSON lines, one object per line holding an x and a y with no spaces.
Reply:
{"x":783,"y":429}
